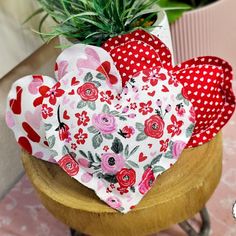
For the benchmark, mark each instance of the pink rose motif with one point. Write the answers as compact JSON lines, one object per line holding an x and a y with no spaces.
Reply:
{"x":113,"y":202}
{"x":112,"y":163}
{"x":105,"y":123}
{"x":147,"y":181}
{"x":177,"y":148}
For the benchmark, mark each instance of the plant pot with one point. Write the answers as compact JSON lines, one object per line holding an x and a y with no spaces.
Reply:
{"x":207,"y":30}
{"x":161,"y":29}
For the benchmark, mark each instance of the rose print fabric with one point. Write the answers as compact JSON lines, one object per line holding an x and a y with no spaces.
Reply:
{"x":117,"y":143}
{"x":24,"y":109}
{"x":117,"y":117}
{"x":207,"y":80}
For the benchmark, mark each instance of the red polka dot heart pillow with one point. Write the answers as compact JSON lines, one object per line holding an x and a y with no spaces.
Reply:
{"x":207,"y":81}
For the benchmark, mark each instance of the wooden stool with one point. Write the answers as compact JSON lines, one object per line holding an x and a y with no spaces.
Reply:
{"x":177,"y":195}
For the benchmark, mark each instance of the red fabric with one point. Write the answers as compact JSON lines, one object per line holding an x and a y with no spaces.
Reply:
{"x":207,"y":80}
{"x":137,"y":51}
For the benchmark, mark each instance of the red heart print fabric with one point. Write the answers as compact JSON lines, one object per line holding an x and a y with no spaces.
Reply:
{"x":207,"y":81}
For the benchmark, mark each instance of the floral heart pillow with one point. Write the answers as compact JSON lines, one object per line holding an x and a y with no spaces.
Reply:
{"x":24,"y":110}
{"x":207,"y":80}
{"x":117,"y":143}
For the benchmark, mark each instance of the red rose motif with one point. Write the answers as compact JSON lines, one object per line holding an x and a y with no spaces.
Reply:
{"x":126,"y":177}
{"x":147,"y":181}
{"x":154,"y":126}
{"x":145,"y":108}
{"x":174,"y":128}
{"x":69,"y":165}
{"x":88,"y":92}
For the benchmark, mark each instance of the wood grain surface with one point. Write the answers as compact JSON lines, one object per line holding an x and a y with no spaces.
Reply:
{"x":177,"y":195}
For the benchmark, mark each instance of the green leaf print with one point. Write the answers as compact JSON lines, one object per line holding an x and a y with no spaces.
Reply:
{"x":189,"y":130}
{"x":105,"y":109}
{"x":108,"y":136}
{"x":156,"y":159}
{"x":117,"y":146}
{"x":97,"y":84}
{"x":127,"y":150}
{"x":134,"y":150}
{"x":158,"y":169}
{"x":179,"y":96}
{"x":139,"y":127}
{"x":81,"y":104}
{"x":141,"y":136}
{"x":92,"y":105}
{"x":100,"y":76}
{"x":88,"y":77}
{"x":47,"y":126}
{"x":83,"y":153}
{"x":168,"y":155}
{"x":51,"y":141}
{"x":92,"y":130}
{"x":133,"y":164}
{"x":97,"y":140}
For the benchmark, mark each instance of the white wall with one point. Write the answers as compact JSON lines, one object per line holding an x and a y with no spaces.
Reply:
{"x":17,"y":41}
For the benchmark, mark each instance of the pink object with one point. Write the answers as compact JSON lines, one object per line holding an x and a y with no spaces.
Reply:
{"x":208,"y":30}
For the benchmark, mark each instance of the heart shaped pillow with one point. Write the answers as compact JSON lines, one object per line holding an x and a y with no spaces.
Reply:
{"x":207,"y":80}
{"x":23,"y":114}
{"x":117,"y":143}
{"x":24,"y":102}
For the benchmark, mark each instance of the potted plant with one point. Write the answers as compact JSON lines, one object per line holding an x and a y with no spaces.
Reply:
{"x":90,"y":22}
{"x":200,"y":30}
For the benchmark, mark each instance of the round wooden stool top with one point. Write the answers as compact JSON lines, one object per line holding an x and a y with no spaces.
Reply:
{"x":177,"y":195}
